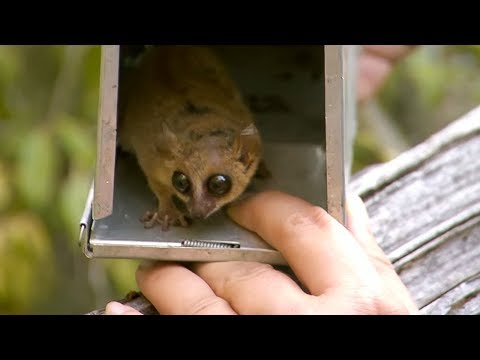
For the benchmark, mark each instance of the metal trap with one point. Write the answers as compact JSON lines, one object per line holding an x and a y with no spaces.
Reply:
{"x":300,"y":99}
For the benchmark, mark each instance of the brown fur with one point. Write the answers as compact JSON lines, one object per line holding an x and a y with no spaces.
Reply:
{"x":182,"y":112}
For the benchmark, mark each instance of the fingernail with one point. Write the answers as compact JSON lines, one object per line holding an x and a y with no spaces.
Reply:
{"x":115,"y":308}
{"x":357,"y":214}
{"x":356,"y":206}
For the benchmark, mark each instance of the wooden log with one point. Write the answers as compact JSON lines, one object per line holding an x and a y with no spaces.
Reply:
{"x":425,"y":212}
{"x":424,"y":207}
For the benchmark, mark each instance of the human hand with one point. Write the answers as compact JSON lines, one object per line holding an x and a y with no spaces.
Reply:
{"x":375,"y":64}
{"x":345,"y":271}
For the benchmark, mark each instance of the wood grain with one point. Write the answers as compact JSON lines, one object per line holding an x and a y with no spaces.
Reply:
{"x":425,"y":212}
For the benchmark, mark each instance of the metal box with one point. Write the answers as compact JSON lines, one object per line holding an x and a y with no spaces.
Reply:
{"x":301,"y":97}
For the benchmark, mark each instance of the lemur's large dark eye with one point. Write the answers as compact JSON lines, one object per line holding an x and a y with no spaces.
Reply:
{"x":181,"y":182}
{"x":219,"y":184}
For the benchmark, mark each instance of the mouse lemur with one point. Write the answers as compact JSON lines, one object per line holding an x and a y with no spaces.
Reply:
{"x":194,"y":137}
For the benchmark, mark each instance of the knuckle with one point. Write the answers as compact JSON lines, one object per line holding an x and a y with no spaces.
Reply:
{"x":370,"y":301}
{"x":206,"y":305}
{"x":295,"y":306}
{"x":246,"y":272}
{"x":313,"y":217}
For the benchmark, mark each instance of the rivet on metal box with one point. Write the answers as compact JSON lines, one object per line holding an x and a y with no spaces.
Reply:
{"x":301,"y":98}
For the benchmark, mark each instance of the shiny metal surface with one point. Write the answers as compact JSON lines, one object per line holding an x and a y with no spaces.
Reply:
{"x":86,"y":222}
{"x":122,"y":235}
{"x":106,"y":132}
{"x":335,"y":98}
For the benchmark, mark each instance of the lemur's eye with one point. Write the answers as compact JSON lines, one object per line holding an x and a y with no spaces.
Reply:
{"x":181,"y":182}
{"x":219,"y":185}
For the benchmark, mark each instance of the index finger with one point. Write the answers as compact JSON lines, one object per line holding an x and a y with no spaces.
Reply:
{"x":322,"y":253}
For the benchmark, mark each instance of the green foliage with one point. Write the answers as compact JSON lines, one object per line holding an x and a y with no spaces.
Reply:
{"x":436,"y":84}
{"x":427,"y":90}
{"x":5,"y":188}
{"x":26,"y":256}
{"x":368,"y":151}
{"x":37,"y":170}
{"x":48,"y":114}
{"x":122,"y":274}
{"x":75,"y":141}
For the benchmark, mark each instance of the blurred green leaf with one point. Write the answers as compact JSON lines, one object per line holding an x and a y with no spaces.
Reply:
{"x":4,"y":111}
{"x":11,"y":62}
{"x":91,"y":67}
{"x":5,"y":188}
{"x":37,"y":169}
{"x":77,"y":142}
{"x":472,"y":50}
{"x":429,"y":76}
{"x":122,"y":274}
{"x":368,"y":151}
{"x":26,"y":258}
{"x":11,"y":136}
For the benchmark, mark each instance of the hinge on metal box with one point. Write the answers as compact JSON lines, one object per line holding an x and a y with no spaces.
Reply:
{"x":86,"y":225}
